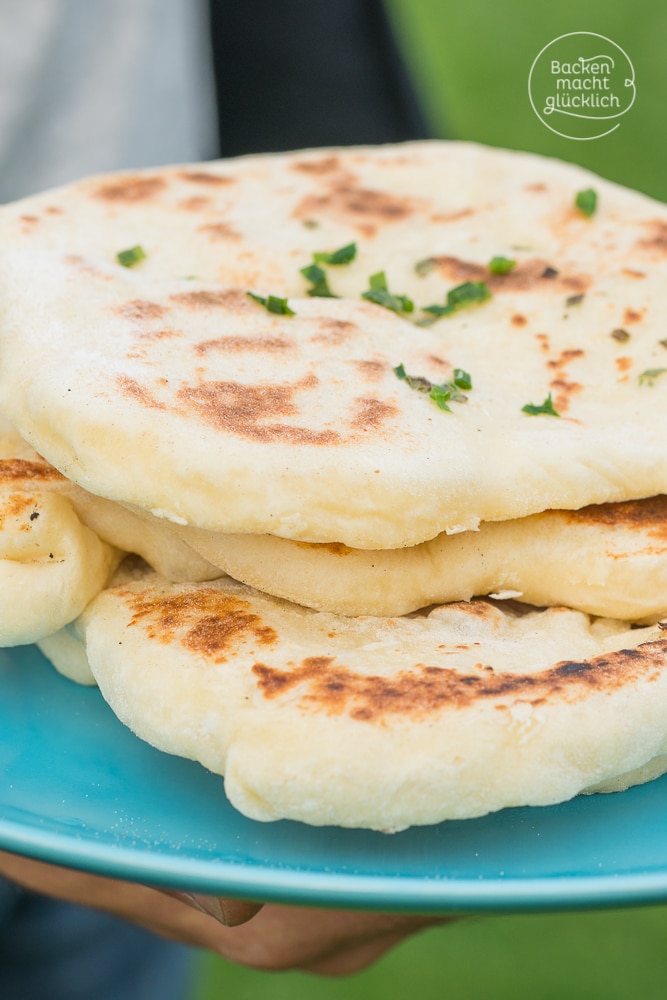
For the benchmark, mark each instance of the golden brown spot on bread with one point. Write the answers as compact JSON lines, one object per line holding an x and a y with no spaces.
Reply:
{"x":130,"y":189}
{"x":370,"y":371}
{"x":13,"y":469}
{"x":134,"y":390}
{"x":203,"y":620}
{"x":14,"y":505}
{"x":264,"y":345}
{"x":632,"y":316}
{"x":54,"y":210}
{"x":462,"y":213}
{"x":336,"y":549}
{"x":537,"y":188}
{"x":30,"y":219}
{"x":205,"y":177}
{"x":562,"y":392}
{"x":631,"y":273}
{"x":253,"y":411}
{"x":624,"y":363}
{"x":141,"y":309}
{"x":656,"y":240}
{"x":219,"y":231}
{"x":569,"y":354}
{"x":195,"y":204}
{"x":425,"y":690}
{"x":543,"y":339}
{"x":648,"y":515}
{"x":362,"y":208}
{"x":371,"y":414}
{"x":334,"y":331}
{"x":528,"y":275}
{"x":227,"y":298}
{"x":518,"y":320}
{"x":325,"y":165}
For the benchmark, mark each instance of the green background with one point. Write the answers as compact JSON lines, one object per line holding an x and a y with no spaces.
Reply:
{"x":471,"y":62}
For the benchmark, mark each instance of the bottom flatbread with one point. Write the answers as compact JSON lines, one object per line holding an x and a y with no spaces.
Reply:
{"x":379,"y":722}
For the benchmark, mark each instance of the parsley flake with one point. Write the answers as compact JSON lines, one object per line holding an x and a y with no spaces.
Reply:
{"x":501,"y":265}
{"x":621,"y":335}
{"x":650,"y":375}
{"x":574,"y":300}
{"x":441,"y":394}
{"x":128,"y":258}
{"x":468,"y":294}
{"x":586,"y":201}
{"x":546,"y":408}
{"x":344,"y":255}
{"x":425,"y":266}
{"x":318,"y":281}
{"x":381,"y":296}
{"x":272,"y":304}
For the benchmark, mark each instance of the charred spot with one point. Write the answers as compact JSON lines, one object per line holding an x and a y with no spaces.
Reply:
{"x":648,"y":515}
{"x":141,"y":309}
{"x":130,"y":189}
{"x":564,"y":358}
{"x":15,"y":505}
{"x":324,"y":685}
{"x":13,"y":469}
{"x":632,"y":316}
{"x":252,"y":411}
{"x":363,"y":208}
{"x":203,"y":620}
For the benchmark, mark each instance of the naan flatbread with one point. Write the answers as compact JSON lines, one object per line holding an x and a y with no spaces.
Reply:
{"x":380,"y":723}
{"x":242,"y":421}
{"x":51,"y":564}
{"x":608,"y":560}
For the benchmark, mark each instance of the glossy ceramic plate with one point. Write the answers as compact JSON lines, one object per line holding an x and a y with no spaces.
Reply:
{"x":79,"y":789}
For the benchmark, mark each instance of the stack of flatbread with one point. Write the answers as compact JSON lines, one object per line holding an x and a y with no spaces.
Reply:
{"x":385,"y":431}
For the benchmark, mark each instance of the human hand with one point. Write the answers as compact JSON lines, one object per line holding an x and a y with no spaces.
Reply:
{"x":269,"y":937}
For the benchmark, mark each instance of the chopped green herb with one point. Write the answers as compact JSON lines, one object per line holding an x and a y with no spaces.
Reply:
{"x":381,"y":296}
{"x":663,"y":343}
{"x":128,"y":258}
{"x":344,"y":255}
{"x":310,"y":223}
{"x":586,"y":201}
{"x":547,"y":408}
{"x":425,"y":266}
{"x":501,"y":265}
{"x":650,"y":375}
{"x":468,"y":294}
{"x":574,"y":300}
{"x":318,"y":280}
{"x":621,"y":335}
{"x":273,"y":304}
{"x":440,"y":394}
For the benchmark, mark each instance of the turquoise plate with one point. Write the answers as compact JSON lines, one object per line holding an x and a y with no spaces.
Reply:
{"x":79,"y":789}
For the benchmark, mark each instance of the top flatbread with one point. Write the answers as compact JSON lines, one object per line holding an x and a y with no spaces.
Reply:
{"x":245,"y":421}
